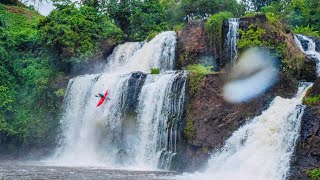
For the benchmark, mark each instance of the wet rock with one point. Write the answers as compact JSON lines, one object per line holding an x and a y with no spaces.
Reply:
{"x":307,"y":155}
{"x":317,"y":41}
{"x":135,"y":84}
{"x":214,"y":120}
{"x":193,"y":47}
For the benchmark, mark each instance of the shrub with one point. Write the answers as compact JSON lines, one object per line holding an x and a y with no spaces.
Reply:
{"x":200,"y":69}
{"x":60,"y":92}
{"x":313,"y":100}
{"x":314,"y":174}
{"x":75,"y":34}
{"x":198,"y":72}
{"x":251,"y":38}
{"x":306,"y":30}
{"x":155,"y":71}
{"x":214,"y":29}
{"x":152,"y":35}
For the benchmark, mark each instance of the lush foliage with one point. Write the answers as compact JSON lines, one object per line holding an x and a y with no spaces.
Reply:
{"x":27,"y":107}
{"x":198,"y":72}
{"x":314,"y":174}
{"x":148,"y":17}
{"x":75,"y":34}
{"x":313,"y":100}
{"x":251,"y":38}
{"x":137,"y":18}
{"x":200,"y":69}
{"x":155,"y":71}
{"x":214,"y":28}
{"x":304,"y":14}
{"x":203,"y":8}
{"x":306,"y":30}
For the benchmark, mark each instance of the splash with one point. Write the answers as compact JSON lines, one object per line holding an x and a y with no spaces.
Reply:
{"x":262,"y":148}
{"x":137,"y":128}
{"x":232,"y":38}
{"x":310,"y":50}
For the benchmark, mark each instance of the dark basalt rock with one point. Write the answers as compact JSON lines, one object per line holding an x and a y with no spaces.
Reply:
{"x":192,"y":44}
{"x":317,"y":41}
{"x":214,"y":120}
{"x":307,"y":155}
{"x":135,"y":84}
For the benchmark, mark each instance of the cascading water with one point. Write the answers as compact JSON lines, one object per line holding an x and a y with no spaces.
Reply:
{"x":310,"y":50}
{"x":138,"y":126}
{"x":232,"y":38}
{"x":262,"y":148}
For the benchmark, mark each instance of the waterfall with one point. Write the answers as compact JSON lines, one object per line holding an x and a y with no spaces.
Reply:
{"x":262,"y":148}
{"x":309,"y":50}
{"x":138,"y":126}
{"x":232,"y":38}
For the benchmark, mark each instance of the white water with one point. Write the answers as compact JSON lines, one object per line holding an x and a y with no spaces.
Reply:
{"x":232,"y":38}
{"x":311,"y":49}
{"x":262,"y":148}
{"x":138,"y":126}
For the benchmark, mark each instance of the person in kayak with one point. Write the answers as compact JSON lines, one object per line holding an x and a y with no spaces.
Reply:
{"x":100,"y":95}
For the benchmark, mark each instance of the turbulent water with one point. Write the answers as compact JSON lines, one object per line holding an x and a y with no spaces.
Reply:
{"x":262,"y":148}
{"x":137,"y":128}
{"x":16,"y":170}
{"x":232,"y":38}
{"x":310,"y":50}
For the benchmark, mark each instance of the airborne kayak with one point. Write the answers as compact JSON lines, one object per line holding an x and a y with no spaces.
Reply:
{"x":102,"y":99}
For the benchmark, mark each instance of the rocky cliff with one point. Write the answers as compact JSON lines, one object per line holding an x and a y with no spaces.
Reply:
{"x":209,"y":119}
{"x":307,"y":155}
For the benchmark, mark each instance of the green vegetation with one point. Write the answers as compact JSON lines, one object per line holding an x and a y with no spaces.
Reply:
{"x":313,"y":100}
{"x":314,"y":174}
{"x":202,"y":8}
{"x":138,"y":19}
{"x":197,"y":73}
{"x":155,"y":71}
{"x":189,"y":129}
{"x":302,"y":16}
{"x":306,"y":30}
{"x":214,"y":29}
{"x":251,"y":38}
{"x":75,"y":34}
{"x":257,"y":35}
{"x":28,"y":106}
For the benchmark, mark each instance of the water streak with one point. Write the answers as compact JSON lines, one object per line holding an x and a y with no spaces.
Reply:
{"x":310,"y":51}
{"x":232,"y":38}
{"x":262,"y":148}
{"x":138,"y":126}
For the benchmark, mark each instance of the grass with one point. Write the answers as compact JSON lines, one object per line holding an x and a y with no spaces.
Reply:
{"x":155,"y":71}
{"x":314,"y":174}
{"x":313,"y":100}
{"x":306,"y":30}
{"x":198,"y":72}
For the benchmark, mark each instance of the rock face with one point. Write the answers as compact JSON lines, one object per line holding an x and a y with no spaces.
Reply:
{"x":307,"y":155}
{"x":135,"y":84}
{"x":214,"y":120}
{"x":209,"y":120}
{"x":193,"y":47}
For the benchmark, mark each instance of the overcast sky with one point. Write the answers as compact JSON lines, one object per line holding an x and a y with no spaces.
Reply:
{"x":44,"y":7}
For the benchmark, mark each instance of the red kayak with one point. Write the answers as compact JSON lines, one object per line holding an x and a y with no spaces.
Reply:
{"x":102,"y":99}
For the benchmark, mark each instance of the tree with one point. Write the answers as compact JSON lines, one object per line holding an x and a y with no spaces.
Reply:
{"x":120,"y":11}
{"x":75,"y":34}
{"x":204,"y":8}
{"x":147,"y":17}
